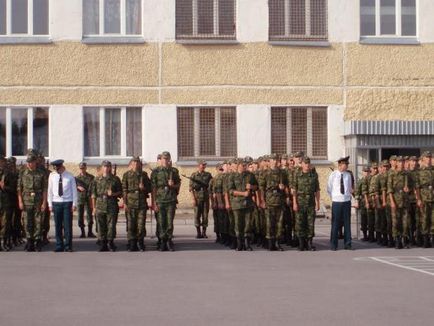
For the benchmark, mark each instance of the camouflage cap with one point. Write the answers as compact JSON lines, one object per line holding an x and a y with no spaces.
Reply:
{"x":260,"y":158}
{"x":31,"y":158}
{"x":135,"y":159}
{"x":266,"y":158}
{"x":248,"y":159}
{"x":399,"y":159}
{"x":413,"y":158}
{"x":284,"y":157}
{"x":366,"y":169}
{"x":255,"y":161}
{"x":273,"y":156}
{"x":201,"y":162}
{"x":291,"y":156}
{"x":165,"y":154}
{"x":426,"y":154}
{"x":82,"y":165}
{"x":373,"y":165}
{"x":406,"y":158}
{"x":385,"y":163}
{"x":306,"y":159}
{"x":158,"y":157}
{"x":298,"y":154}
{"x":392,"y":158}
{"x":106,"y":163}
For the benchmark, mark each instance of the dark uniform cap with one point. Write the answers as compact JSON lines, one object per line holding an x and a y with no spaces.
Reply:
{"x":345,"y":159}
{"x":106,"y":163}
{"x":298,"y":154}
{"x":426,"y":154}
{"x":165,"y":154}
{"x":57,"y":163}
{"x":203,"y":162}
{"x":306,"y":160}
{"x":392,"y":158}
{"x":31,"y":158}
{"x":366,"y":169}
{"x":413,"y":158}
{"x":82,"y":165}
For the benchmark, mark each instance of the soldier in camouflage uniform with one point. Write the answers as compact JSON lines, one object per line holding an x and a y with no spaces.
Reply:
{"x":106,"y":189}
{"x":32,"y":200}
{"x":165,"y":187}
{"x":84,"y":181}
{"x":42,"y":166}
{"x":5,"y":224}
{"x":199,"y":189}
{"x":399,"y":185}
{"x":415,"y":235}
{"x":371,"y":193}
{"x":272,"y":189}
{"x":232,"y":242}
{"x":136,"y":187}
{"x":13,"y":214}
{"x":217,"y":202}
{"x":384,"y":212}
{"x":360,"y":202}
{"x":425,"y":197}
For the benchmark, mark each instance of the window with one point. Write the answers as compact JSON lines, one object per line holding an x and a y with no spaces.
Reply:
{"x":112,"y":131}
{"x":24,"y":17}
{"x":388,"y":18}
{"x":207,"y":132}
{"x":23,"y":128}
{"x":297,"y":20}
{"x":112,"y":17}
{"x":205,"y":19}
{"x":299,"y":129}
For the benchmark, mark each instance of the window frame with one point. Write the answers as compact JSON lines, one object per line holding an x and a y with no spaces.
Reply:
{"x":196,"y":133}
{"x":398,"y":23}
{"x":204,"y":37}
{"x":309,"y":130}
{"x":102,"y":128}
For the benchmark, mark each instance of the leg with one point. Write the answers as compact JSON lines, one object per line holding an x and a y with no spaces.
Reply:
{"x":336,"y":216}
{"x":346,"y":214}
{"x":58,"y":223}
{"x":67,"y":225}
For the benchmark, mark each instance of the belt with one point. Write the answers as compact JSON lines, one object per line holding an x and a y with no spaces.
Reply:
{"x":32,"y":194}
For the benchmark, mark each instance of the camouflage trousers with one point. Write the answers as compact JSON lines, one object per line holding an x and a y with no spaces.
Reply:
{"x":274,"y":222}
{"x":45,"y":228}
{"x":219,"y":221}
{"x":32,"y":222}
{"x":201,"y":211}
{"x":243,"y":222}
{"x":372,"y":217}
{"x":415,"y":226}
{"x":5,"y":224}
{"x":258,"y":221}
{"x":400,"y":222}
{"x":381,"y":221}
{"x":107,"y":225}
{"x":166,"y":214}
{"x":305,"y":225}
{"x":136,"y":222}
{"x":231,"y":223}
{"x":81,"y":209}
{"x":426,"y":214}
{"x":363,"y":219}
{"x":288,"y":220}
{"x":389,"y":223}
{"x":14,"y":215}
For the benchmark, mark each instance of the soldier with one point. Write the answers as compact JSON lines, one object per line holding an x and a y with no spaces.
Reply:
{"x":106,"y":189}
{"x":136,"y":187}
{"x":425,"y":197}
{"x":4,"y":221}
{"x":217,"y":202}
{"x":399,"y":185}
{"x":370,"y":193}
{"x":165,"y":186}
{"x":199,"y":189}
{"x":385,"y":214}
{"x":11,"y":203}
{"x":32,"y":201}
{"x":84,"y":181}
{"x":272,"y":189}
{"x":360,"y":201}
{"x":227,"y":239}
{"x":259,"y":219}
{"x":232,"y":168}
{"x":415,"y":235}
{"x":41,"y":165}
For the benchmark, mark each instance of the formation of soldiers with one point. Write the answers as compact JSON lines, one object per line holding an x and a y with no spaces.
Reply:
{"x":395,"y":201}
{"x":265,"y":202}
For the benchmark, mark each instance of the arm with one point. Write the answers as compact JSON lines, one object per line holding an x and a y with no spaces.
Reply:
{"x":50,"y":192}
{"x":74,"y":193}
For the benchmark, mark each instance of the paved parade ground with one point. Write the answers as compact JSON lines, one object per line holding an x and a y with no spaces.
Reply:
{"x":203,"y":283}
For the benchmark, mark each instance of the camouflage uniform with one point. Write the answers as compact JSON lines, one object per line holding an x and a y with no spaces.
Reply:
{"x":199,"y":187}
{"x":5,"y":222}
{"x":358,"y":195}
{"x":216,"y":192}
{"x":13,"y":214}
{"x":230,"y":214}
{"x":83,"y":202}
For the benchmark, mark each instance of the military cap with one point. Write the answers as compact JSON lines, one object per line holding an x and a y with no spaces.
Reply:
{"x":57,"y":163}
{"x":413,"y":158}
{"x":260,"y":158}
{"x":306,"y":159}
{"x":31,"y":158}
{"x":165,"y":154}
{"x":273,"y":157}
{"x":345,"y":160}
{"x":106,"y":163}
{"x":255,"y":161}
{"x":385,"y":163}
{"x":201,"y":162}
{"x":298,"y":154}
{"x":392,"y":158}
{"x":426,"y":154}
{"x":135,"y":159}
{"x":248,"y":159}
{"x":399,"y":158}
{"x":284,"y":156}
{"x":82,"y":165}
{"x":158,"y":157}
{"x":366,"y":169}
{"x":406,"y":158}
{"x":374,"y":165}
{"x":291,"y":156}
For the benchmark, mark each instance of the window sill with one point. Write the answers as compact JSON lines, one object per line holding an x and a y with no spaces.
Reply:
{"x":390,"y":40}
{"x":301,"y":43}
{"x":206,"y":42}
{"x":25,"y":40}
{"x":113,"y":40}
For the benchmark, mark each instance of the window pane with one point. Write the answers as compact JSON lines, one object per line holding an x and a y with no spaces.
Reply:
{"x":3,"y":131}
{"x":207,"y":132}
{"x":408,"y":20}
{"x":112,"y":17}
{"x":276,"y":17}
{"x":387,"y":17}
{"x":278,"y":130}
{"x":299,"y":130}
{"x":205,"y":10}
{"x":2,"y":17}
{"x":19,"y":16}
{"x":19,"y":131}
{"x":40,"y":130}
{"x":185,"y":132}
{"x":112,"y":132}
{"x":184,"y":17}
{"x":90,"y":17}
{"x":367,"y":17}
{"x":91,"y":131}
{"x":318,"y":17}
{"x":134,"y":131}
{"x":134,"y":17}
{"x":228,"y":132}
{"x":297,"y":17}
{"x":319,"y":133}
{"x":226,"y":17}
{"x":40,"y":17}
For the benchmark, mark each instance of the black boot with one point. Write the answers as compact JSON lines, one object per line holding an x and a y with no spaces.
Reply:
{"x":38,"y":246}
{"x":234,"y":243}
{"x":239,"y":244}
{"x":296,"y":242}
{"x":365,"y":236}
{"x":112,"y":246}
{"x":279,"y":245}
{"x":104,"y":246}
{"x":199,"y":234}
{"x":83,"y":232}
{"x":163,"y":245}
{"x":310,"y":245}
{"x":170,"y":245}
{"x":247,"y":244}
{"x":259,"y":241}
{"x":30,"y":246}
{"x":406,"y":243}
{"x":301,"y":244}
{"x":204,"y":233}
{"x":390,"y":242}
{"x":133,"y":246}
{"x":398,"y":242}
{"x":272,"y":245}
{"x":384,"y":242}
{"x":141,"y":245}
{"x":378,"y":237}
{"x":90,"y":233}
{"x":426,"y":241}
{"x":371,"y":236}
{"x":217,"y":238}
{"x":3,"y":246}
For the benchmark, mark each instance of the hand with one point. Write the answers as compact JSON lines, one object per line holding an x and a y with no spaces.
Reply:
{"x":80,"y":188}
{"x":228,"y":206}
{"x":263,"y":205}
{"x":420,"y":203}
{"x":383,"y":205}
{"x":248,"y":186}
{"x":156,"y":208}
{"x":43,"y":207}
{"x":2,"y":184}
{"x":317,"y":207}
{"x":281,"y":186}
{"x":21,"y":205}
{"x":295,"y":207}
{"x":356,"y":205}
{"x":392,"y":204}
{"x":170,"y":183}
{"x":406,"y":189}
{"x":141,"y":187}
{"x":194,"y":202}
{"x":50,"y":209}
{"x":74,"y":208}
{"x":109,"y":192}
{"x":94,"y":212}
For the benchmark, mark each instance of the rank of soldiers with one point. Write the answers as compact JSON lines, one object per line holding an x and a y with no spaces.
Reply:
{"x":265,"y":202}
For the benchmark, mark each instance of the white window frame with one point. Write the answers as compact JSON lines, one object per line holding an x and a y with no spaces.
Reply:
{"x":102,"y":126}
{"x":398,"y":21}
{"x":123,"y":21}
{"x":30,"y":116}
{"x":29,"y":21}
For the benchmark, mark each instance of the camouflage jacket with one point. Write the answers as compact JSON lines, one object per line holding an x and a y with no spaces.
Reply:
{"x":100,"y":187}
{"x":160,"y":184}
{"x":84,"y":181}
{"x":237,"y":182}
{"x":136,"y":187}
{"x":269,"y":186}
{"x":395,"y":185}
{"x":199,"y":184}
{"x":425,"y":183}
{"x":306,"y":185}
{"x":32,"y":184}
{"x":10,"y":189}
{"x":358,"y":194}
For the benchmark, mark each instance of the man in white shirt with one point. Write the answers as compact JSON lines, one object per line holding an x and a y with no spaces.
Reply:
{"x":340,"y":189}
{"x":62,"y":201}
